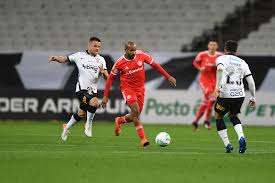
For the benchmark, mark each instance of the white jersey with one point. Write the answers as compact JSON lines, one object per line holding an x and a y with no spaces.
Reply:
{"x":234,"y":71}
{"x":88,"y":70}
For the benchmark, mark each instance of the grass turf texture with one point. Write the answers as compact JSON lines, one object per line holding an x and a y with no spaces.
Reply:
{"x":33,"y":152}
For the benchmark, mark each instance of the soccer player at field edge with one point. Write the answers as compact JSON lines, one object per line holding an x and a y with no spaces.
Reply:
{"x":90,"y":67}
{"x":231,"y":71}
{"x":205,"y":63}
{"x":130,"y":66}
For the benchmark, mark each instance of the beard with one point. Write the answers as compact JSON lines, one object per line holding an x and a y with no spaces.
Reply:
{"x":131,"y":56}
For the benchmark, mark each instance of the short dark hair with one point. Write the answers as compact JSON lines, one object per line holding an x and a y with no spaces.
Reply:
{"x":129,"y":43}
{"x":94,"y":39}
{"x":231,"y":46}
{"x":212,"y":40}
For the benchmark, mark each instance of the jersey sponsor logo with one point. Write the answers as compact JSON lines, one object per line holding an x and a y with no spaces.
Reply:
{"x":95,"y":68}
{"x":134,"y":71}
{"x":129,"y":97}
{"x":236,"y":93}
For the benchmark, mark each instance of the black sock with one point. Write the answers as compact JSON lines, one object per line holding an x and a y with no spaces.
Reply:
{"x":235,"y":120}
{"x":76,"y":117}
{"x":220,"y":124}
{"x":92,"y":109}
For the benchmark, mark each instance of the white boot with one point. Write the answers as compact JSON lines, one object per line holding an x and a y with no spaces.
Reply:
{"x":88,"y":130}
{"x":64,"y":134}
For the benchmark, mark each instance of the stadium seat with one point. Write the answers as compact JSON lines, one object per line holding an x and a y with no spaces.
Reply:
{"x":260,"y":41}
{"x":152,"y":23}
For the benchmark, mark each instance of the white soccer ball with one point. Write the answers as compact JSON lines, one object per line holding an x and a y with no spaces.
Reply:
{"x":163,"y":139}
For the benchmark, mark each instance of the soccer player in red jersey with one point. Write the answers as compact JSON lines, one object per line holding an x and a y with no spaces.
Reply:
{"x":205,"y":63}
{"x":132,"y":78}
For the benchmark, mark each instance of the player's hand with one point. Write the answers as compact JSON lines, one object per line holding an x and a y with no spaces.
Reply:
{"x":252,"y":103}
{"x":202,"y":69}
{"x":104,"y":102}
{"x":216,"y":92}
{"x":212,"y":95}
{"x":52,"y":58}
{"x":172,"y":81}
{"x":101,"y":68}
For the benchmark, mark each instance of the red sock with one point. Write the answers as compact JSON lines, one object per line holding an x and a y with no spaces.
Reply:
{"x":209,"y":109}
{"x":140,"y":131}
{"x":121,"y":120}
{"x":200,"y":112}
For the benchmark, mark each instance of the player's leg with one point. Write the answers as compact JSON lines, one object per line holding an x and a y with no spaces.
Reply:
{"x":124,"y":119}
{"x":220,"y":110}
{"x":140,"y":100}
{"x":75,"y":117}
{"x":128,"y":118}
{"x":121,"y":120}
{"x":200,"y":113}
{"x":128,"y":96}
{"x":211,"y":100}
{"x":233,"y":115}
{"x":73,"y":120}
{"x":202,"y":107}
{"x":135,"y":113}
{"x":91,"y":109}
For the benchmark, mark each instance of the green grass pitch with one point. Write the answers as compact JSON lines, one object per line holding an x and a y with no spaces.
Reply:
{"x":32,"y":152}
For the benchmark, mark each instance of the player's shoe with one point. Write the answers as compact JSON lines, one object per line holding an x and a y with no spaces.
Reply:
{"x":195,"y":126}
{"x":229,"y":148}
{"x":65,"y":132}
{"x":207,"y":125}
{"x":144,"y":142}
{"x":117,"y":127}
{"x":242,"y":145}
{"x":88,"y":130}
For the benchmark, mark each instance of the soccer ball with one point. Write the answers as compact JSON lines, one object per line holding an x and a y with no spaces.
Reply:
{"x":163,"y":139}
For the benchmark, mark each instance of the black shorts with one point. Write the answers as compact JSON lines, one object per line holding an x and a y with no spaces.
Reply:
{"x":225,"y":105}
{"x":84,"y":97}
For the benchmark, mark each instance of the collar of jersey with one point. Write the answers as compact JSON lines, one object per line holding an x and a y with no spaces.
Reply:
{"x":211,"y":55}
{"x":230,"y":54}
{"x":128,"y":59}
{"x":90,"y":54}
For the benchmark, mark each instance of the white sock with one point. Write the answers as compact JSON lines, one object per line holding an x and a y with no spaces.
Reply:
{"x":71,"y":122}
{"x":224,"y":136}
{"x":90,"y":117}
{"x":239,"y":130}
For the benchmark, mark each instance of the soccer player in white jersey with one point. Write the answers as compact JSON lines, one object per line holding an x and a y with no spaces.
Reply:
{"x":231,"y":71}
{"x":90,"y":66}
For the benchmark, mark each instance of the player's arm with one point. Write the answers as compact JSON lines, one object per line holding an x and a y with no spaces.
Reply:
{"x":219,"y":73}
{"x":252,"y":89}
{"x":108,"y":86}
{"x":59,"y":59}
{"x":103,"y":69}
{"x":149,"y":60}
{"x":103,"y":72}
{"x":160,"y":69}
{"x":197,"y":63}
